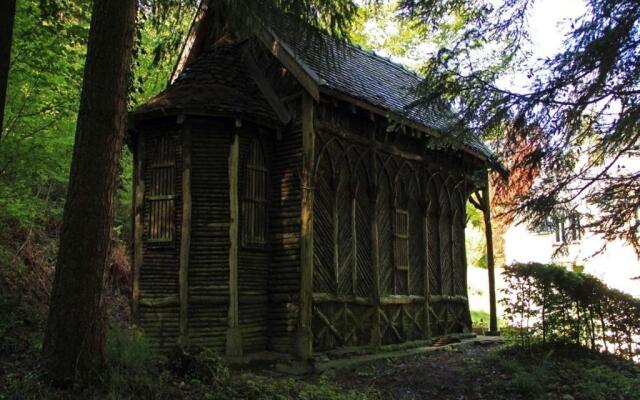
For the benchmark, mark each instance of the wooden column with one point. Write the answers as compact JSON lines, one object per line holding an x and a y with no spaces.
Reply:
{"x":138,"y":221}
{"x":185,"y":240}
{"x":376,"y":335}
{"x":304,"y":340}
{"x":482,"y":202}
{"x":354,"y":244}
{"x":493,"y":317}
{"x":427,"y":283}
{"x":234,"y":337}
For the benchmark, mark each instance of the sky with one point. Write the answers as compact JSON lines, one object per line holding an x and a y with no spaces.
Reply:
{"x":548,"y":23}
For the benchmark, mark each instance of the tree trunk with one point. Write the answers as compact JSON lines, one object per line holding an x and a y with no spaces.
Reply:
{"x":7,"y":16}
{"x":74,"y":339}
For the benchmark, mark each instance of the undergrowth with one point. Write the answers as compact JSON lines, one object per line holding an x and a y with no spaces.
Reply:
{"x":566,"y":372}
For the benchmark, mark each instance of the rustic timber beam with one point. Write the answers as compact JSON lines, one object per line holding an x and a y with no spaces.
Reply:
{"x":493,"y":317}
{"x":165,"y":301}
{"x":386,"y":147}
{"x":425,"y":268}
{"x":304,"y":340}
{"x":234,"y":336}
{"x":376,"y":334}
{"x":445,"y":299}
{"x":482,"y":202}
{"x":354,"y":244}
{"x":185,"y":240}
{"x":138,"y":221}
{"x":336,"y":298}
{"x":401,"y":299}
{"x":308,"y":79}
{"x":265,"y":87}
{"x":195,"y":34}
{"x":405,"y":122}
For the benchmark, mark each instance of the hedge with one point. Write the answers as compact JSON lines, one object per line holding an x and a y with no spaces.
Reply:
{"x":549,"y":303}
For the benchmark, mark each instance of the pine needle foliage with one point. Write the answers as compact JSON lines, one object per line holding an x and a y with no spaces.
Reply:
{"x":582,"y":103}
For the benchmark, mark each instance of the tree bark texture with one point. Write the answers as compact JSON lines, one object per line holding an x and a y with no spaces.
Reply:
{"x":7,"y":16}
{"x":74,"y":338}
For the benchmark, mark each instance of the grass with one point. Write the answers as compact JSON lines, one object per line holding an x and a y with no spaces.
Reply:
{"x":568,"y":372}
{"x":480,"y":319}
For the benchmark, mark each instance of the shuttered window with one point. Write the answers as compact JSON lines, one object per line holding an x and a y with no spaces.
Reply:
{"x":162,"y":192}
{"x":255,"y":198}
{"x":401,"y":234}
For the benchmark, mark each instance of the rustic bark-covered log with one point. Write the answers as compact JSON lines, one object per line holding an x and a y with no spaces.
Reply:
{"x":234,"y":336}
{"x":138,"y":224}
{"x":305,"y":338}
{"x":185,"y":241}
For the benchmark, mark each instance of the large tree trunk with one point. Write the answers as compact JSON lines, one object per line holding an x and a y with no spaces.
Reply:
{"x":75,"y":338}
{"x":7,"y":15}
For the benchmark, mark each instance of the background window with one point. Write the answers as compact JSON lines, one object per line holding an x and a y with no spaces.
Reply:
{"x":161,"y":198}
{"x":401,"y":235}
{"x":255,"y":197}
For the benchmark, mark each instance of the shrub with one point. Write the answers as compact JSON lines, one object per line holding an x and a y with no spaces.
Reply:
{"x":548,"y":303}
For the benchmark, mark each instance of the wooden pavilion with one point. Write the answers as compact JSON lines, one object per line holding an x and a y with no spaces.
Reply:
{"x":291,"y":202}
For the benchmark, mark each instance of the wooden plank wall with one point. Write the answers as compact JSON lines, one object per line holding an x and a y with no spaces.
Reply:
{"x":253,"y":261}
{"x":284,"y":238}
{"x":158,"y":306}
{"x":209,"y":261}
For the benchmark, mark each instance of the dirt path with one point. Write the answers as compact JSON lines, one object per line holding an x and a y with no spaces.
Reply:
{"x":458,"y":373}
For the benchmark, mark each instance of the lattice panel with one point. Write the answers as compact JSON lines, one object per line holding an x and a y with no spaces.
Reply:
{"x":448,"y":317}
{"x":401,"y":323}
{"x":433,"y":241}
{"x":364,"y":277}
{"x":416,"y":249}
{"x":384,"y":215}
{"x":444,"y":231}
{"x":345,"y":234}
{"x":324,"y":276}
{"x":341,"y":324}
{"x":459,"y":251}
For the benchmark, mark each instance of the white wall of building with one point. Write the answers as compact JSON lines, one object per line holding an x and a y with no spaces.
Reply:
{"x":616,"y":266}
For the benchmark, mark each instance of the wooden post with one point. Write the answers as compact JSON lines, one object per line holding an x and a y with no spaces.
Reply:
{"x":138,"y":224}
{"x":376,"y":335}
{"x":493,"y":318}
{"x":185,"y":240}
{"x":427,"y":288}
{"x":354,"y":244}
{"x":234,"y":337}
{"x":304,"y":340}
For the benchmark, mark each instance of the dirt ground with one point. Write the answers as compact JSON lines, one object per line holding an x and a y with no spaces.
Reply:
{"x":459,"y":373}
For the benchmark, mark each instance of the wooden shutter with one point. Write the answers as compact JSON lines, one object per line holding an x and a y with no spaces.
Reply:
{"x":162,"y":193}
{"x":255,"y":198}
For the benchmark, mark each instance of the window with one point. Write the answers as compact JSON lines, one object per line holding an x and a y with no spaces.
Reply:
{"x":401,"y":236}
{"x":401,"y":255}
{"x":161,"y":198}
{"x":564,"y":225}
{"x":255,"y":198}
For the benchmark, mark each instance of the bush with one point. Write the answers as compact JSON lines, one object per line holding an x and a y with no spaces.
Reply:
{"x":548,"y":303}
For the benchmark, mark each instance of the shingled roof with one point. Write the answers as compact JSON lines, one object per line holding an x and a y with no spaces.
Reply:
{"x":341,"y":66}
{"x":216,"y":83}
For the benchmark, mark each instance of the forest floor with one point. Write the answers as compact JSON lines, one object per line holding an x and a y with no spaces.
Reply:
{"x":132,"y":371}
{"x":497,"y":371}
